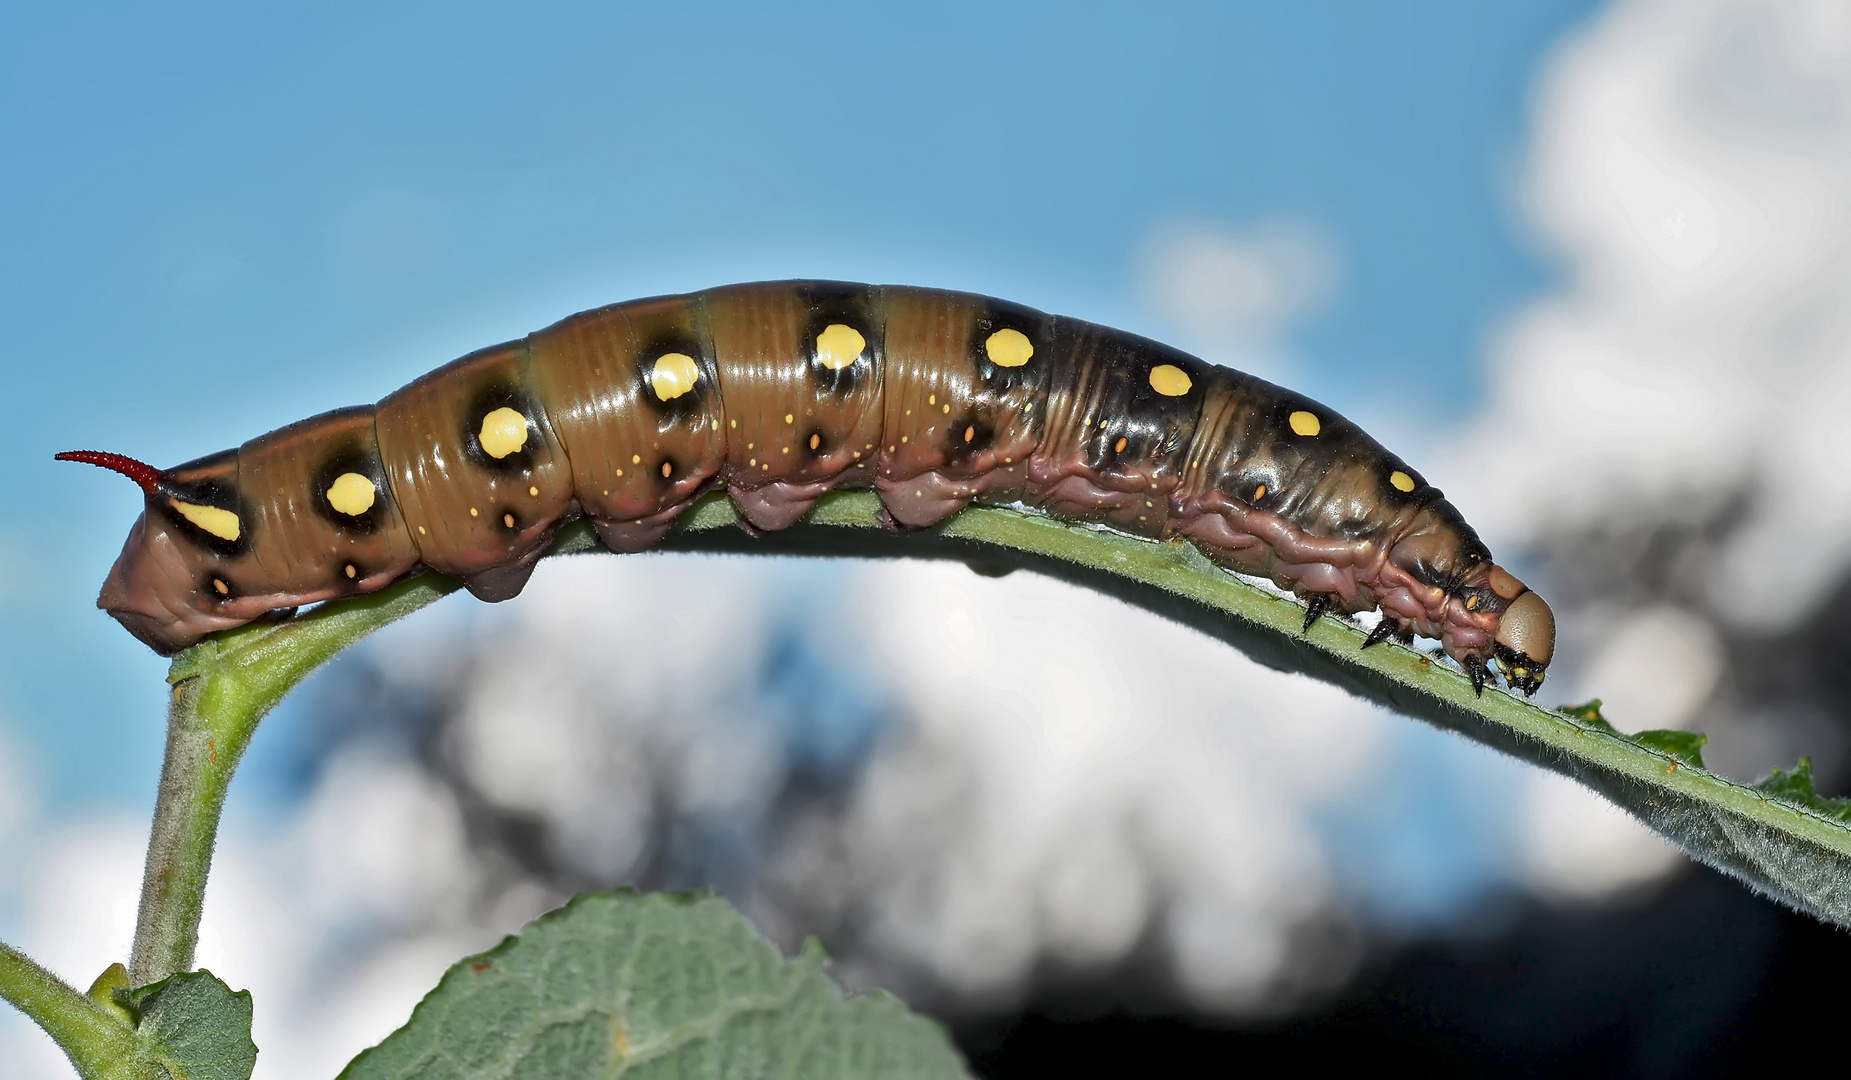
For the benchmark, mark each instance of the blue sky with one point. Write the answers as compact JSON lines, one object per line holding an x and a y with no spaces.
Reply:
{"x":217,"y":220}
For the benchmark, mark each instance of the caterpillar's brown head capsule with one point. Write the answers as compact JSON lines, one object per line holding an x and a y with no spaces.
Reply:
{"x":169,"y":586}
{"x":1525,"y":641}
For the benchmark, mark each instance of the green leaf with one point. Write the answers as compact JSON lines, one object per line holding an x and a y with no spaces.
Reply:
{"x":195,"y":1026}
{"x":1589,"y":714}
{"x":1686,"y":746}
{"x":616,"y":984}
{"x":1796,"y":787}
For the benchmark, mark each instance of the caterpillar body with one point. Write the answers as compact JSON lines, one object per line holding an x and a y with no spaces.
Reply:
{"x":776,"y":393}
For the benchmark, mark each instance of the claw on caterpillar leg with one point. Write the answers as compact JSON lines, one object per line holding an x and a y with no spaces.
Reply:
{"x":1315,"y":609}
{"x":1479,"y":673}
{"x":1382,"y":632}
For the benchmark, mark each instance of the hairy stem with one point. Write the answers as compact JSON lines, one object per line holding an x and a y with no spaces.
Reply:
{"x":221,"y":688}
{"x":98,"y":1043}
{"x":224,"y":686}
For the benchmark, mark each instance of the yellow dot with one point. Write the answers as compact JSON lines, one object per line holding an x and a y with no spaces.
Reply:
{"x":667,"y":469}
{"x":838,"y":346}
{"x":970,"y":433}
{"x":1305,"y":423}
{"x":636,"y":459}
{"x":473,"y":512}
{"x":352,"y":571}
{"x":508,"y":520}
{"x":422,"y":532}
{"x":931,"y":399}
{"x":1259,"y":493}
{"x":1119,"y":447}
{"x":815,"y":441}
{"x":1170,"y":380}
{"x":220,"y":523}
{"x":220,"y":587}
{"x":352,"y":494}
{"x":752,"y":461}
{"x":789,"y":418}
{"x":1402,"y":481}
{"x":673,"y":375}
{"x":1008,"y":348}
{"x":533,"y":491}
{"x":786,"y":450}
{"x":503,"y":432}
{"x":946,"y":407}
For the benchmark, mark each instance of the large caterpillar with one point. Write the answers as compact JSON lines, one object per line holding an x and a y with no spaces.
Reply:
{"x":776,"y":393}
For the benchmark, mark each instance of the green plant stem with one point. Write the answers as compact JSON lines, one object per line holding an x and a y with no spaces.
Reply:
{"x":97,"y":1042}
{"x":223,"y":686}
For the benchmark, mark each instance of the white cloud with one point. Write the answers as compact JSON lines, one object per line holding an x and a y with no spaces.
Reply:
{"x":1692,"y":162}
{"x":1235,"y":292}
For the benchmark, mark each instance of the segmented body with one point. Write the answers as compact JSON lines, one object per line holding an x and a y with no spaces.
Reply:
{"x":776,"y":393}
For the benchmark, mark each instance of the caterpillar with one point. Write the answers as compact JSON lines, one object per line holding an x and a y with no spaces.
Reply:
{"x":776,"y":393}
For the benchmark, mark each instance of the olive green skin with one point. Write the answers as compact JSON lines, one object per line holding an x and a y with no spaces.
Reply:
{"x":924,"y":414}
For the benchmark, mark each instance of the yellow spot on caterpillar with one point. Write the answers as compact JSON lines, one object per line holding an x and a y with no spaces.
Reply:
{"x":838,"y":346}
{"x":789,"y":419}
{"x":422,"y":532}
{"x":352,"y":494}
{"x":533,"y":491}
{"x":219,"y":586}
{"x":716,"y":424}
{"x":674,"y":375}
{"x":666,"y":470}
{"x":351,"y":571}
{"x":1471,"y":602}
{"x":970,"y":433}
{"x":751,"y":446}
{"x":785,"y":450}
{"x":1170,"y":380}
{"x":503,"y":432}
{"x":752,"y":461}
{"x":815,"y":441}
{"x":946,"y":406}
{"x":1401,"y":481}
{"x":1259,"y":493}
{"x":1102,"y":425}
{"x":220,"y":523}
{"x":906,"y":438}
{"x":931,"y":399}
{"x":1305,"y":423}
{"x":732,"y":423}
{"x":1008,"y":348}
{"x":507,"y":520}
{"x":473,"y":512}
{"x":1119,"y":447}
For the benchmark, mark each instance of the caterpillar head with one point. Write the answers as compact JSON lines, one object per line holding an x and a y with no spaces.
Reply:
{"x":169,"y":587}
{"x":1525,"y":641}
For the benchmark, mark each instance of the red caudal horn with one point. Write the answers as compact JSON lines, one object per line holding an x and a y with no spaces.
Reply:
{"x":147,"y":476}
